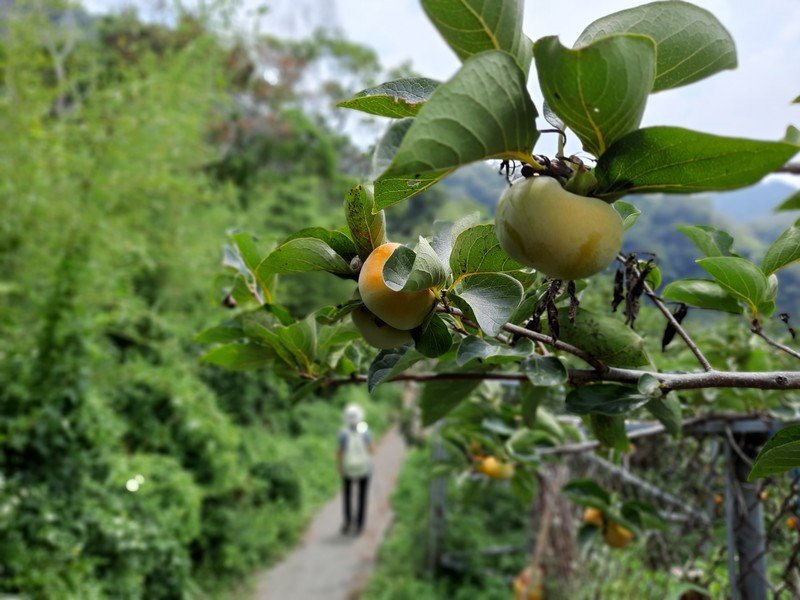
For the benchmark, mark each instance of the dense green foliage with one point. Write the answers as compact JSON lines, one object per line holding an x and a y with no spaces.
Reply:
{"x":128,"y":468}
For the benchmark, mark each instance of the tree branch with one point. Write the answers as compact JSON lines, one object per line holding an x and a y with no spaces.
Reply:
{"x":672,"y":321}
{"x":767,"y":380}
{"x":793,"y":168}
{"x":757,"y":329}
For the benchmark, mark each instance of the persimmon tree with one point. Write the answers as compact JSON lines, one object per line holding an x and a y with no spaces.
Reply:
{"x":477,"y":302}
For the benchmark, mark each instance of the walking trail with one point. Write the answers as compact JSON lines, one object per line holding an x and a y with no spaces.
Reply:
{"x":327,"y":565}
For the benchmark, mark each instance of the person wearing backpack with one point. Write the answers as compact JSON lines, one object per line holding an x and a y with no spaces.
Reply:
{"x":355,"y":466}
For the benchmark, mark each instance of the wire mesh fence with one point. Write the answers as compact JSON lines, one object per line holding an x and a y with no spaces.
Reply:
{"x":721,"y":536}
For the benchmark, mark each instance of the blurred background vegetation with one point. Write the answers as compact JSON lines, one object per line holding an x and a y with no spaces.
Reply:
{"x":129,"y":149}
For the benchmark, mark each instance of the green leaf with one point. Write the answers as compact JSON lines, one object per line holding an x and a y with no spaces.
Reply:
{"x":668,"y":411}
{"x":739,"y":277}
{"x":610,"y":431}
{"x":648,"y":385}
{"x":397,"y":99}
{"x":328,"y":315}
{"x":490,"y":351}
{"x":702,"y":293}
{"x":796,"y":100}
{"x":783,"y":251}
{"x":710,"y":240}
{"x":432,"y":338}
{"x":530,"y":397}
{"x":587,"y":492}
{"x":779,"y":454}
{"x":239,"y":357}
{"x":545,"y":371}
{"x":368,"y":229}
{"x":691,"y":43}
{"x":791,"y":203}
{"x":608,"y":399}
{"x":483,"y":112}
{"x":599,"y":90}
{"x":681,"y":161}
{"x":414,"y":270}
{"x":247,"y":249}
{"x":393,"y":189}
{"x":605,"y":338}
{"x":301,"y":340}
{"x":491,"y":298}
{"x":302,"y":255}
{"x":523,"y":487}
{"x":219,"y":334}
{"x":389,"y":363}
{"x":477,"y":250}
{"x":473,"y":26}
{"x":653,"y":278}
{"x":256,"y":330}
{"x":339,"y":241}
{"x":629,"y":213}
{"x":446,"y":233}
{"x":440,"y":397}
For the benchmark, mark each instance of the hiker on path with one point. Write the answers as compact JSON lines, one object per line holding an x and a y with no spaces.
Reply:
{"x":355,"y":466}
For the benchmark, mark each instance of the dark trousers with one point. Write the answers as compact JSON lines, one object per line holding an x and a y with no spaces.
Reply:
{"x":347,"y":484}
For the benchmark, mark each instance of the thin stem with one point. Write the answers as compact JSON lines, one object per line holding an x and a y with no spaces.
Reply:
{"x":793,"y":168}
{"x":672,"y":321}
{"x":533,"y":336}
{"x":757,"y":329}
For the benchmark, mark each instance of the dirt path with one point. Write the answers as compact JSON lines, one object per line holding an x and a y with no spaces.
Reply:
{"x":326,"y":564}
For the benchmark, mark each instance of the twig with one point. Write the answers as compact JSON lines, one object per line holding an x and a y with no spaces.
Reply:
{"x":678,"y":328}
{"x":767,"y":380}
{"x":793,"y":168}
{"x":774,"y":343}
{"x":533,"y":336}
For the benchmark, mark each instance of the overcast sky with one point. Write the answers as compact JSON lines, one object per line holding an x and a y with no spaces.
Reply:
{"x":751,"y":101}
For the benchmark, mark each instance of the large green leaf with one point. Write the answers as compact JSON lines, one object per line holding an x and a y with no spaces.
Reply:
{"x":682,"y":161}
{"x":605,"y":399}
{"x":367,"y":228}
{"x":710,"y":240}
{"x":668,"y":411}
{"x":491,"y":352}
{"x":783,"y":251}
{"x":702,"y":293}
{"x":220,"y":334}
{"x":440,"y":397}
{"x":779,"y":454}
{"x":433,"y":337}
{"x":397,"y":99}
{"x":414,"y":270}
{"x":389,"y":363}
{"x":599,"y":90}
{"x":739,"y":277}
{"x":587,"y":492}
{"x":303,"y":254}
{"x":605,"y":338}
{"x":691,"y":43}
{"x":610,"y":431}
{"x":446,"y":233}
{"x":240,"y":357}
{"x":391,"y":189}
{"x":301,"y":340}
{"x":477,"y":250}
{"x":483,"y":112}
{"x":791,"y":203}
{"x":491,"y":298}
{"x":473,"y":26}
{"x":545,"y":371}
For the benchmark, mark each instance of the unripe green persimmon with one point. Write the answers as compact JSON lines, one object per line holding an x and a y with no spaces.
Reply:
{"x":561,"y":234}
{"x":401,"y":310}
{"x":377,"y":333}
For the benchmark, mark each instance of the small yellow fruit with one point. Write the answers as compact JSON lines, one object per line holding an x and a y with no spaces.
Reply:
{"x":617,"y":536}
{"x":496,"y":469}
{"x":718,"y":499}
{"x":377,"y":333}
{"x":593,"y":516}
{"x":561,"y":234}
{"x":792,"y":522}
{"x":401,"y":310}
{"x":527,"y":586}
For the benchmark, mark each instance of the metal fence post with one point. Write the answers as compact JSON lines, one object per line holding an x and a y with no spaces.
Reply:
{"x":744,"y":521}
